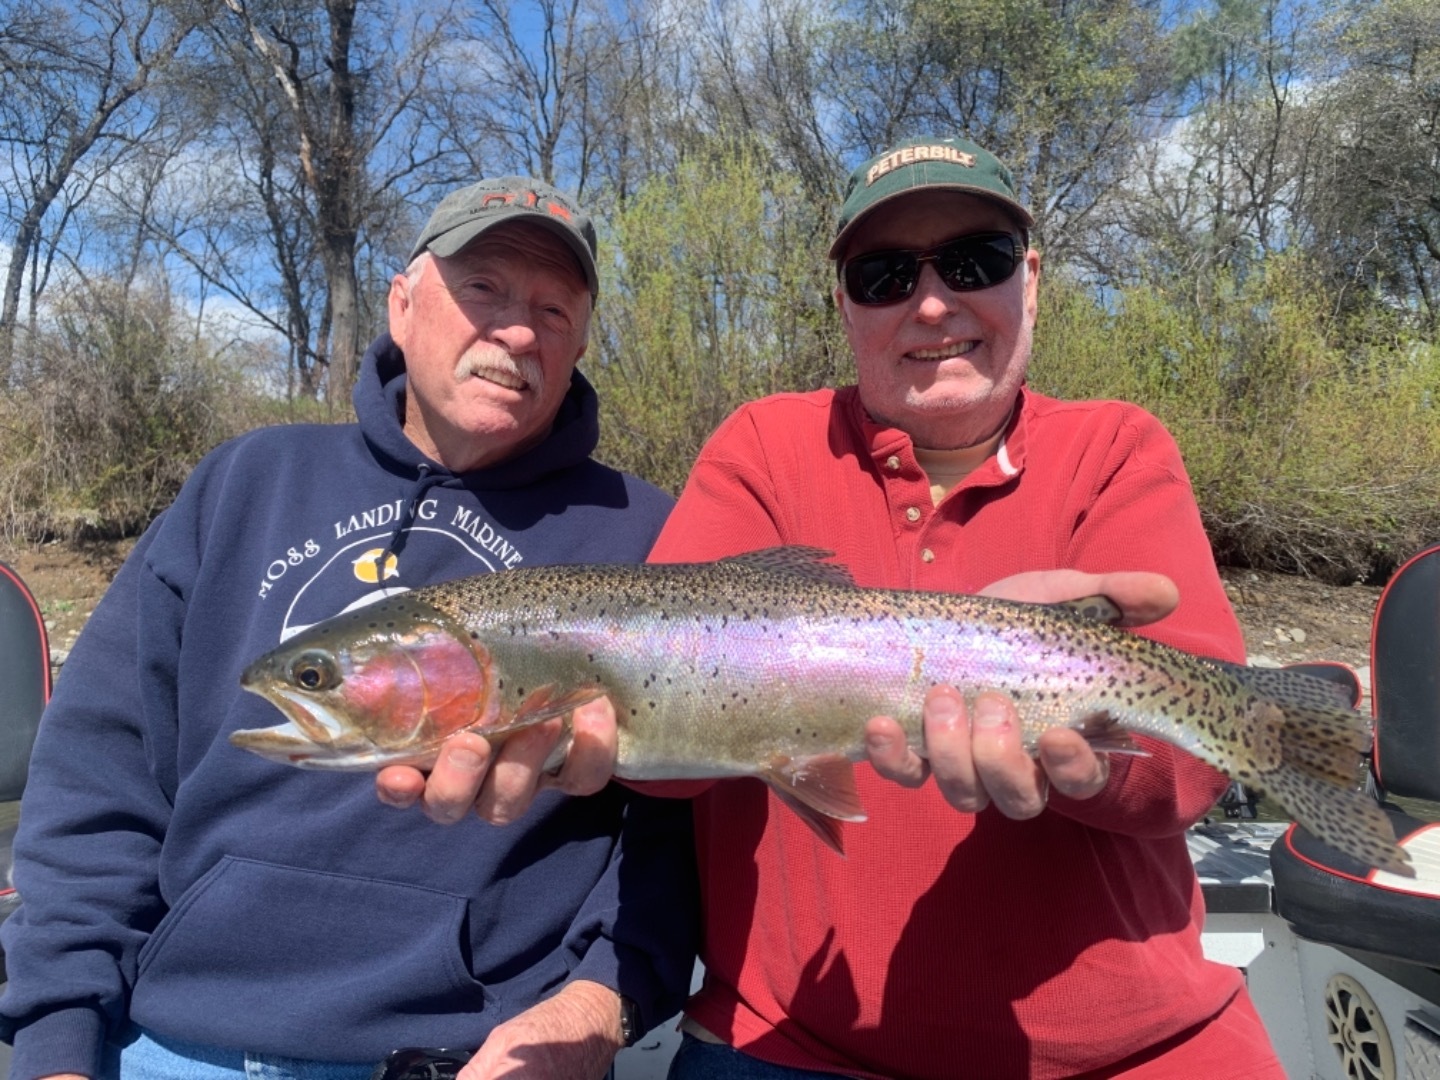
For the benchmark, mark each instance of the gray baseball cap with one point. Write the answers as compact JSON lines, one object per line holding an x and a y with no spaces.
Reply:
{"x":466,"y":213}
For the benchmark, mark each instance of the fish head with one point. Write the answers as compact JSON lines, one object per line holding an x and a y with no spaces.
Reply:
{"x":382,"y":685}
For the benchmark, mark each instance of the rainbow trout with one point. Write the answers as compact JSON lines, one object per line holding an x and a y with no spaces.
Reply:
{"x":768,"y":665}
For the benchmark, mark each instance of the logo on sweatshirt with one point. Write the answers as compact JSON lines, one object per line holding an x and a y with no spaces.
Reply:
{"x":367,"y":566}
{"x":357,"y":559}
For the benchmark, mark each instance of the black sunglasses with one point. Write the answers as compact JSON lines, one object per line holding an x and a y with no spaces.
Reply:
{"x":965,"y":264}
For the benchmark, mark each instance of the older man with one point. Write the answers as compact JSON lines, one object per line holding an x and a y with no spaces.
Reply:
{"x":1018,"y":917}
{"x":191,"y":910}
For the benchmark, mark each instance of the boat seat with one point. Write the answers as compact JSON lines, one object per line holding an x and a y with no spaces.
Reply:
{"x":25,"y":676}
{"x":1331,"y":898}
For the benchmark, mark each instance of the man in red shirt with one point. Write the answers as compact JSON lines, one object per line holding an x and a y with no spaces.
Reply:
{"x":1019,"y":916}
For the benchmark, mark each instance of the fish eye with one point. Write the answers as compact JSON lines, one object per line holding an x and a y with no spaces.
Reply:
{"x":314,"y":671}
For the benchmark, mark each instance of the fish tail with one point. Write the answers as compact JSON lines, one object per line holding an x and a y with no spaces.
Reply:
{"x":1303,"y":748}
{"x":1348,"y":820}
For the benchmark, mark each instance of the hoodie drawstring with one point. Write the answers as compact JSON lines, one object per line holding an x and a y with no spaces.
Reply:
{"x":427,"y":479}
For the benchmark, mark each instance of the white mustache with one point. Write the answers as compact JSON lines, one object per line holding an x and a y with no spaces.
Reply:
{"x":499,"y":366}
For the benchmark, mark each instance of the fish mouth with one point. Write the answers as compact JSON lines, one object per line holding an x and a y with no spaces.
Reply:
{"x":311,"y":738}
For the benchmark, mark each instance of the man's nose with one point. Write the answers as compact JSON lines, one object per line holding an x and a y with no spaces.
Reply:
{"x":933,"y":299}
{"x":514,"y":330}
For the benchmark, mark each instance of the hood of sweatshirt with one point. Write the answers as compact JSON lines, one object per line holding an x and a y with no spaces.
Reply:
{"x":380,"y":406}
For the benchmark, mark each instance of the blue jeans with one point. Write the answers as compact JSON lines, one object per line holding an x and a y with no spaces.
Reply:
{"x":142,"y":1056}
{"x":696,"y":1060}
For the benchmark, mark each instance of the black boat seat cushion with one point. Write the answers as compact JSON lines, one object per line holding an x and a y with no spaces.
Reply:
{"x":1331,"y":898}
{"x":25,"y":679}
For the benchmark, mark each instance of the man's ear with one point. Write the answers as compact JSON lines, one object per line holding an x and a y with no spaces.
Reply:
{"x":1032,"y":283}
{"x":839,"y":295}
{"x":398,"y":304}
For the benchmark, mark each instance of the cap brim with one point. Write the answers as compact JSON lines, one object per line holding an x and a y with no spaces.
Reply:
{"x":1008,"y":205}
{"x":456,"y":240}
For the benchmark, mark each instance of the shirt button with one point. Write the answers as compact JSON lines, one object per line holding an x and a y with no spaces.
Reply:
{"x":913,"y":513}
{"x":926,"y":555}
{"x":892,"y":463}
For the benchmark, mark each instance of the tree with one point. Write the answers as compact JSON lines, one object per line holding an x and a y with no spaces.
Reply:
{"x":1372,"y":209}
{"x":714,"y":296}
{"x":331,"y":141}
{"x":71,"y":109}
{"x":1221,"y":184}
{"x":1059,"y":89}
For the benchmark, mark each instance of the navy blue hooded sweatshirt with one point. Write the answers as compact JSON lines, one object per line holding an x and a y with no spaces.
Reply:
{"x":216,"y":897}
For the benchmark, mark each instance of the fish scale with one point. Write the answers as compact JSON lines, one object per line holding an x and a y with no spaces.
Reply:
{"x":769,"y":664}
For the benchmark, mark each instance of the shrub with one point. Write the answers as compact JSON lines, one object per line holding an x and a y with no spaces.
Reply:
{"x":115,"y":402}
{"x":1313,"y":446}
{"x":718,"y":293}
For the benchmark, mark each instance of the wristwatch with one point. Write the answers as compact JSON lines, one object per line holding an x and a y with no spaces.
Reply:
{"x":629,"y":1021}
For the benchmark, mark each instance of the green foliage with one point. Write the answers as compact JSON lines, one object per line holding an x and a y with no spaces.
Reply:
{"x":719,"y":292}
{"x":1313,"y":443}
{"x":115,"y":404}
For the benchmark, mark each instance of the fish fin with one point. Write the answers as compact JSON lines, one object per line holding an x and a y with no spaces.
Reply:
{"x":806,"y":562}
{"x":1308,"y":758}
{"x":821,"y":790}
{"x":1106,"y":736}
{"x":1348,"y":820}
{"x":540,"y":705}
{"x":1290,"y":687}
{"x":1093,"y":608}
{"x":830,"y":831}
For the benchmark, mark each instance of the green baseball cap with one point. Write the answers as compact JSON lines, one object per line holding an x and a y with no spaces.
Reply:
{"x":952,"y":164}
{"x":466,"y":213}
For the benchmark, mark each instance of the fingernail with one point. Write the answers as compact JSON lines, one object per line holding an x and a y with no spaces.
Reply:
{"x":989,"y":712}
{"x":877,"y":743}
{"x":400,"y":802}
{"x":1062,"y":755}
{"x":467,"y":760}
{"x":944,"y":710}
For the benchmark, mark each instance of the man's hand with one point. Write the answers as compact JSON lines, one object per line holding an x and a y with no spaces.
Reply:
{"x":576,"y":1034}
{"x":977,"y":756}
{"x":500,"y":783}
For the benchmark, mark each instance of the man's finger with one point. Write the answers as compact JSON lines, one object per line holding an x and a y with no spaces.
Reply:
{"x":889,"y":752}
{"x":456,"y":777}
{"x":1075,"y":770}
{"x":948,"y":747}
{"x":1009,"y":775}
{"x":516,"y":773}
{"x":594,"y":746}
{"x":400,"y":786}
